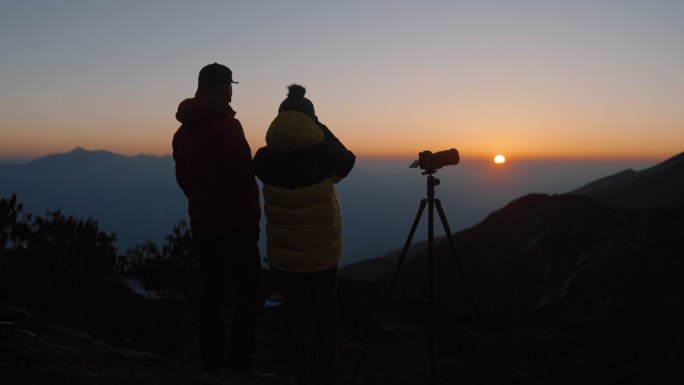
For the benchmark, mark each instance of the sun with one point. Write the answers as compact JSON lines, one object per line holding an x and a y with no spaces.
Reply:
{"x":499,"y":159}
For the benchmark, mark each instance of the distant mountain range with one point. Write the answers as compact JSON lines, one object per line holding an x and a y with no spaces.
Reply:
{"x":135,"y":197}
{"x":660,"y":186}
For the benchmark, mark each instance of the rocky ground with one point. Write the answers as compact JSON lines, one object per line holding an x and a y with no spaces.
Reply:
{"x":58,"y":353}
{"x":63,"y":355}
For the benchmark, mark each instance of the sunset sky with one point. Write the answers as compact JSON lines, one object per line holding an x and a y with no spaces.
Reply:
{"x":558,"y":79}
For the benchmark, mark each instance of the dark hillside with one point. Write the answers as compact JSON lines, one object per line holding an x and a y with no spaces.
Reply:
{"x":609,"y":282}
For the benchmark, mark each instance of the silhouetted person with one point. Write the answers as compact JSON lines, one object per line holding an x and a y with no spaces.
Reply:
{"x":301,"y":161}
{"x":214,"y":169}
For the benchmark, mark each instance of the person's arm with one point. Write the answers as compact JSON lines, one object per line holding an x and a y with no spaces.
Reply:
{"x":328,"y":136}
{"x":338,"y":158}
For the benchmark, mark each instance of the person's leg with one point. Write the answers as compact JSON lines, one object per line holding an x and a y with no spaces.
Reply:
{"x":212,"y":264}
{"x":245,"y":269}
{"x":293,"y":289}
{"x":324,"y":304}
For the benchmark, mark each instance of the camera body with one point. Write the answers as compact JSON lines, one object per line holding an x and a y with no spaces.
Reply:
{"x":430,"y":161}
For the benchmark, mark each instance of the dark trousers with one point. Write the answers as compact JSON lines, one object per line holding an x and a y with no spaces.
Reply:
{"x":319,"y":289}
{"x":235,"y":256}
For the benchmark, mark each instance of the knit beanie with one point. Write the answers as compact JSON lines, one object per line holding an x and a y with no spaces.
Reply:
{"x":296,"y":101}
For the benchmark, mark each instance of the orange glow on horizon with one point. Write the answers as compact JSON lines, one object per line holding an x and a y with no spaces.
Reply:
{"x":37,"y":150}
{"x":375,"y":149}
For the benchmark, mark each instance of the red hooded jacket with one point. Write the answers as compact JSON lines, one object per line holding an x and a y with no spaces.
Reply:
{"x":214,"y":168}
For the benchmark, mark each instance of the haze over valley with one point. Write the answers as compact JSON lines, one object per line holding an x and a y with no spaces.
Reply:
{"x":138,"y":199}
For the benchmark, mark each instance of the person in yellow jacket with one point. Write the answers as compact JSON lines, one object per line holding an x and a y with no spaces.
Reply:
{"x":298,"y":166}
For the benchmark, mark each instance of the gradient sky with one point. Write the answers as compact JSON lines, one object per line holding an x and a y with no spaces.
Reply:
{"x":597,"y":79}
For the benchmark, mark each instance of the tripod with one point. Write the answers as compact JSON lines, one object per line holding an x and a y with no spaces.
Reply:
{"x":430,"y":202}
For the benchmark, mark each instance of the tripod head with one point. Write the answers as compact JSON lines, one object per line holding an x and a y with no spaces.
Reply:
{"x":429,"y":172}
{"x":431,"y":183}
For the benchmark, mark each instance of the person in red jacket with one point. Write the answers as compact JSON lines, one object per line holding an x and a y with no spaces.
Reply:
{"x":214,"y":169}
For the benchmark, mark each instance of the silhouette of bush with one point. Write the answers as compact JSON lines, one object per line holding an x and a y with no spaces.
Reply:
{"x":173,"y":269}
{"x":37,"y":253}
{"x":66,"y":268}
{"x":40,"y":254}
{"x":42,"y":258}
{"x":12,"y":228}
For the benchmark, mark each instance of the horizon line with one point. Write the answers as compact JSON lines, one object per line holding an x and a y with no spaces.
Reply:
{"x":380,"y":156}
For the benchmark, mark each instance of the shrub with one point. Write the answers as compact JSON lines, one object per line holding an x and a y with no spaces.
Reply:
{"x":172,"y":269}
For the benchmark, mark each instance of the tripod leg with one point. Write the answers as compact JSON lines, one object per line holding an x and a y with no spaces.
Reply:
{"x":385,"y":297}
{"x":431,"y":287}
{"x":457,"y":256}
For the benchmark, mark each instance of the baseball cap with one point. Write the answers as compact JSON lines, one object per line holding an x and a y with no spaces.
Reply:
{"x":215,"y":75}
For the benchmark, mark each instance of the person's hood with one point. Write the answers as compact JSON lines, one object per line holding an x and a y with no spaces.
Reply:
{"x":291,"y":131}
{"x":199,"y":109}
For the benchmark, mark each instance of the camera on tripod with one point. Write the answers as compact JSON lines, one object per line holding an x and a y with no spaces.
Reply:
{"x":430,"y":162}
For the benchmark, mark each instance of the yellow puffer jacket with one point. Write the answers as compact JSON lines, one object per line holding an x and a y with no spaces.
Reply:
{"x":304,"y":228}
{"x":304,"y":225}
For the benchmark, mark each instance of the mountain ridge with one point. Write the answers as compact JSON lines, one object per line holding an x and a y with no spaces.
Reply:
{"x":135,"y":197}
{"x":659,"y":186}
